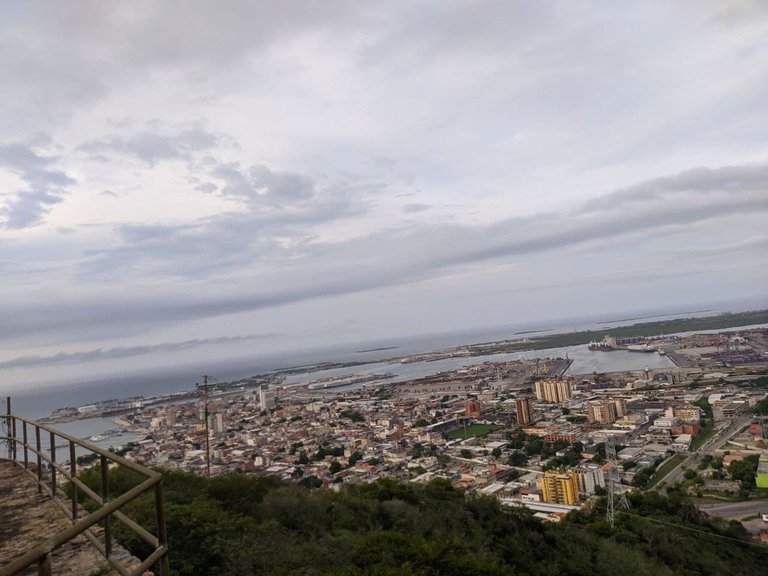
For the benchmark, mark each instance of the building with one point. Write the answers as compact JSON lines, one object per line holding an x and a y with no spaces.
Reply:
{"x":472,"y":408}
{"x":601,"y":411}
{"x":606,"y":411}
{"x":560,"y":488}
{"x":563,"y":434}
{"x":734,"y":409}
{"x":523,"y":411}
{"x":216,"y":423}
{"x":590,"y":477}
{"x":170,"y":418}
{"x":267,"y":399}
{"x":687,"y":413}
{"x":553,"y":390}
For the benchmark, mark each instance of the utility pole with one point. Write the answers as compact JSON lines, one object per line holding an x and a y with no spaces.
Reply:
{"x":613,"y":481}
{"x":205,"y":387}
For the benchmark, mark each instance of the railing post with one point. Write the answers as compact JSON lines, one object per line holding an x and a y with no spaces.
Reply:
{"x":72,"y":474}
{"x":162,"y":535}
{"x":104,"y":498}
{"x":45,"y":566}
{"x":13,"y":435}
{"x":26,"y":445}
{"x":53,"y":465}
{"x":8,"y":424}
{"x":39,"y":460}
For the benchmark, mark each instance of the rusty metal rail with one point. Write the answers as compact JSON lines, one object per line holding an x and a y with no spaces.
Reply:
{"x":20,"y":447}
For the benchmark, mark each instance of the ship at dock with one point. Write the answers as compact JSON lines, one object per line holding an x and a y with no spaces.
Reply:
{"x":337,"y":381}
{"x":607,"y":344}
{"x":637,"y":344}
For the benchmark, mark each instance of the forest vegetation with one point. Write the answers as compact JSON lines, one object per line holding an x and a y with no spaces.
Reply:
{"x":242,"y":525}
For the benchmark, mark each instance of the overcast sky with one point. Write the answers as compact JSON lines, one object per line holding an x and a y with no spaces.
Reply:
{"x":188,"y":180}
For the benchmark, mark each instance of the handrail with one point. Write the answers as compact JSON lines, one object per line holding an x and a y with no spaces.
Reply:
{"x":107,"y":510}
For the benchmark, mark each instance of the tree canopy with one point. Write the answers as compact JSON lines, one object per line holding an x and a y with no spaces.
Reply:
{"x":242,"y":525}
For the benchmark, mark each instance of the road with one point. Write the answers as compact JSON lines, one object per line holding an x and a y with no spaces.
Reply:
{"x":717,"y":441}
{"x":736,"y":511}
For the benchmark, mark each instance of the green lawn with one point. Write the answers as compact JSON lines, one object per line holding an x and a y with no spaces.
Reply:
{"x":472,"y":431}
{"x":706,"y":433}
{"x":665,"y":469}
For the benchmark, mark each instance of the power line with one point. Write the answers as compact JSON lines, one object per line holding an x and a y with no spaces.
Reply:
{"x":721,"y":536}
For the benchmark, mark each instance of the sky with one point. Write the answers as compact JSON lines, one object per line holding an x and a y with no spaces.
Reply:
{"x":189,"y":181}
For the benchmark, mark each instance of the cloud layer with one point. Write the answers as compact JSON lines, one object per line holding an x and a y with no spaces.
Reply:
{"x":176,"y":177}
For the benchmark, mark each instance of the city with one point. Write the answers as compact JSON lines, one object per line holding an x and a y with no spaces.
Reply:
{"x":344,"y":288}
{"x":518,"y":430}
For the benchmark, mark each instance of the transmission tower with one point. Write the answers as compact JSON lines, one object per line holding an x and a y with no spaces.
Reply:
{"x":613,"y":481}
{"x":205,"y":386}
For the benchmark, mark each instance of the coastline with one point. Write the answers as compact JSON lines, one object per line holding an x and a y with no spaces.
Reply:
{"x":468,"y":352}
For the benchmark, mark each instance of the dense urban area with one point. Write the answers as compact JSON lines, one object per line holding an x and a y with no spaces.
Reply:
{"x":520,"y":431}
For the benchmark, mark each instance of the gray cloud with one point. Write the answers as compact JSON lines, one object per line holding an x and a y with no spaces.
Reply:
{"x":46,"y":186}
{"x":700,"y":181}
{"x":123,"y":352}
{"x":354,"y":159}
{"x":415,"y":207}
{"x":389,"y":257}
{"x":282,"y":208}
{"x":152,"y":147}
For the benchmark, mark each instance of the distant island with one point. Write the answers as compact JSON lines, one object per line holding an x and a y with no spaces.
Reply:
{"x":382,"y":348}
{"x":654,"y":316}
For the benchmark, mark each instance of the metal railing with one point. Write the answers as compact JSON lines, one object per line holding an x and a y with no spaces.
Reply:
{"x":48,"y":473}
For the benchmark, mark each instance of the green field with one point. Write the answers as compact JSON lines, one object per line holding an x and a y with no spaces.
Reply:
{"x":472,"y":431}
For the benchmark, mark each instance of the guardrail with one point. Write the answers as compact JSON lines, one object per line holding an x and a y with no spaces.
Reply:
{"x":49,"y":473}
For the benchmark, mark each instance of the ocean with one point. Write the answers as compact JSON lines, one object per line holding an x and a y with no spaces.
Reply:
{"x":38,"y":403}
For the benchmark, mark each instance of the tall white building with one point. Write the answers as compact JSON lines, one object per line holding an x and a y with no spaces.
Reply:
{"x":590,"y":477}
{"x":216,"y":423}
{"x":267,"y":398}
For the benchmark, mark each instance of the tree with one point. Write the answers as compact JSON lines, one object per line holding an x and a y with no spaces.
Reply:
{"x":311,"y":481}
{"x":295,"y":446}
{"x":534,"y":446}
{"x":465,"y":453}
{"x":496,"y":452}
{"x":744,"y":471}
{"x":517,"y":458}
{"x":241,"y":525}
{"x":354,"y":458}
{"x":335,"y":467}
{"x":353,"y":415}
{"x":761,"y":407}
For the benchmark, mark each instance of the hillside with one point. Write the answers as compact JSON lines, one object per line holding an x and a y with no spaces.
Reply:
{"x":241,"y":525}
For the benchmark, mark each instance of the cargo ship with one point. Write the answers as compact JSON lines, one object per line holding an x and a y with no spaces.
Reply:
{"x":600,"y":347}
{"x":337,"y":381}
